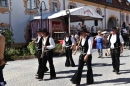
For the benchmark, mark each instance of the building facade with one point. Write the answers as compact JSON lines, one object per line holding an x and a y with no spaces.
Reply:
{"x":16,"y":14}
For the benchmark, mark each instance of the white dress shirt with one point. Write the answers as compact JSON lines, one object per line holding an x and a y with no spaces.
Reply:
{"x":94,"y":29}
{"x":90,"y":43}
{"x":51,"y":41}
{"x":38,"y":39}
{"x":78,"y":27}
{"x":67,"y":38}
{"x":113,"y":40}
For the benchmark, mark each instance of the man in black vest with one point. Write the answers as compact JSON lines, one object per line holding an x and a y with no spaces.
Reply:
{"x":85,"y":57}
{"x":39,"y":50}
{"x":47,"y":52}
{"x":68,"y":44}
{"x":116,"y":47}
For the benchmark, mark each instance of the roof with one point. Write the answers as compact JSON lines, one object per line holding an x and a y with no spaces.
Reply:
{"x":115,"y":3}
{"x":76,"y":14}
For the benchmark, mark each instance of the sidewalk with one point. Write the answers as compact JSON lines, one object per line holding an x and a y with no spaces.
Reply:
{"x":22,"y":72}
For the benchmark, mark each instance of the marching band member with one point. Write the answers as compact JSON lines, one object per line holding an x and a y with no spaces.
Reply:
{"x":68,"y":44}
{"x":85,"y":57}
{"x":116,"y":47}
{"x":47,"y":55}
{"x":39,"y":50}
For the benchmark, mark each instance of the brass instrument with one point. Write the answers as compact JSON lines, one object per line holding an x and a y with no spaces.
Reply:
{"x":43,"y":49}
{"x":77,"y":46}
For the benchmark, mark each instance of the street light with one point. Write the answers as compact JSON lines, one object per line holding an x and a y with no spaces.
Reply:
{"x":41,"y":11}
{"x":68,"y":13}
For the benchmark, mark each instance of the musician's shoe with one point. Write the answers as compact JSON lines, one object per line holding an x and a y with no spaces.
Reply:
{"x":99,"y":57}
{"x":113,"y":71}
{"x":53,"y":77}
{"x":105,"y":54}
{"x":46,"y":71}
{"x":73,"y":65}
{"x":36,"y":75}
{"x":117,"y":73}
{"x":39,"y":78}
{"x":77,"y":84}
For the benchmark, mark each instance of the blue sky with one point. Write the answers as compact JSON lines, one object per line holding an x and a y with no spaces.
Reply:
{"x":129,"y":0}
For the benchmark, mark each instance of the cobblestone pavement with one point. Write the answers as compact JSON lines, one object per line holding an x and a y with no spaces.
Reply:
{"x":22,"y":72}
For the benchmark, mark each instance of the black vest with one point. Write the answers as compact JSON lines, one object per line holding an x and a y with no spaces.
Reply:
{"x":69,"y":42}
{"x":39,"y":44}
{"x":47,"y":41}
{"x":117,"y":43}
{"x":85,"y":47}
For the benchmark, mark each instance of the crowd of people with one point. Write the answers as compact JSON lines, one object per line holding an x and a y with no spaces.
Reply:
{"x":83,"y":40}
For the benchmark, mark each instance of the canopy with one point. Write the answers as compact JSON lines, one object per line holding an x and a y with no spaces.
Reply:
{"x":76,"y":14}
{"x":80,"y":13}
{"x":44,"y":16}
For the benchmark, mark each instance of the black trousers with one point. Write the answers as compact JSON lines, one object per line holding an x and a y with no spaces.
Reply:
{"x":69,"y":59}
{"x":38,"y":55}
{"x":48,"y":56}
{"x":115,"y":54}
{"x":1,"y":73}
{"x":77,"y":76}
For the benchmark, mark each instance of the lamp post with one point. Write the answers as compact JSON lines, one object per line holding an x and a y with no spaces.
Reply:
{"x":68,"y":13}
{"x":42,"y":10}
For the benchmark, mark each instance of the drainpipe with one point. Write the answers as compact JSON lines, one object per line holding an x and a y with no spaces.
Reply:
{"x":105,"y":17}
{"x":9,"y":15}
{"x":63,"y":4}
{"x":120,"y":17}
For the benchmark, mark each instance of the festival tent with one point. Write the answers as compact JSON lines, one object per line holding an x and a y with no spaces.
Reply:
{"x":78,"y":14}
{"x":73,"y":15}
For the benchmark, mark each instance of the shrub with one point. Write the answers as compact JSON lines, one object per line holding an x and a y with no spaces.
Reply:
{"x":31,"y":47}
{"x":58,"y":47}
{"x":8,"y":36}
{"x":13,"y":54}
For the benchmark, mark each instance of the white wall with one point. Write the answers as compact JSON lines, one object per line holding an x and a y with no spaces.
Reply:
{"x":19,"y":20}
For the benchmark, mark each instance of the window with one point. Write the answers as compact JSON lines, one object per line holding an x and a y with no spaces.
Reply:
{"x":31,"y":4}
{"x":99,"y":11}
{"x":127,"y":18}
{"x":110,"y":1}
{"x":3,"y":3}
{"x":72,"y":6}
{"x":123,"y":19}
{"x":54,"y":6}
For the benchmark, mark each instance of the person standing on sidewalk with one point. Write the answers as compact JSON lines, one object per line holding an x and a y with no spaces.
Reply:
{"x":2,"y":61}
{"x":99,"y":43}
{"x":39,"y":50}
{"x":85,"y":57}
{"x":68,"y":44}
{"x":116,"y":47}
{"x":47,"y":55}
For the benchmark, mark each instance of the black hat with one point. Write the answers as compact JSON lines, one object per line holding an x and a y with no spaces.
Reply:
{"x":39,"y":30}
{"x":45,"y":30}
{"x":114,"y":28}
{"x":83,"y":29}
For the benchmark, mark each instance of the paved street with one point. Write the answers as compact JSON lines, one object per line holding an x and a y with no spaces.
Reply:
{"x":22,"y":72}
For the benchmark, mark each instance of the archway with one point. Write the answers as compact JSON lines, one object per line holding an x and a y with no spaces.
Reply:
{"x":111,"y":23}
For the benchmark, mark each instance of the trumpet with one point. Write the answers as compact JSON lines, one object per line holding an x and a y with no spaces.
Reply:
{"x":77,"y":47}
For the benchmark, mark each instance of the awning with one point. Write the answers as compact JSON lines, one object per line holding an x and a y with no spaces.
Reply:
{"x":82,"y":13}
{"x":76,"y":14}
{"x":44,"y":16}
